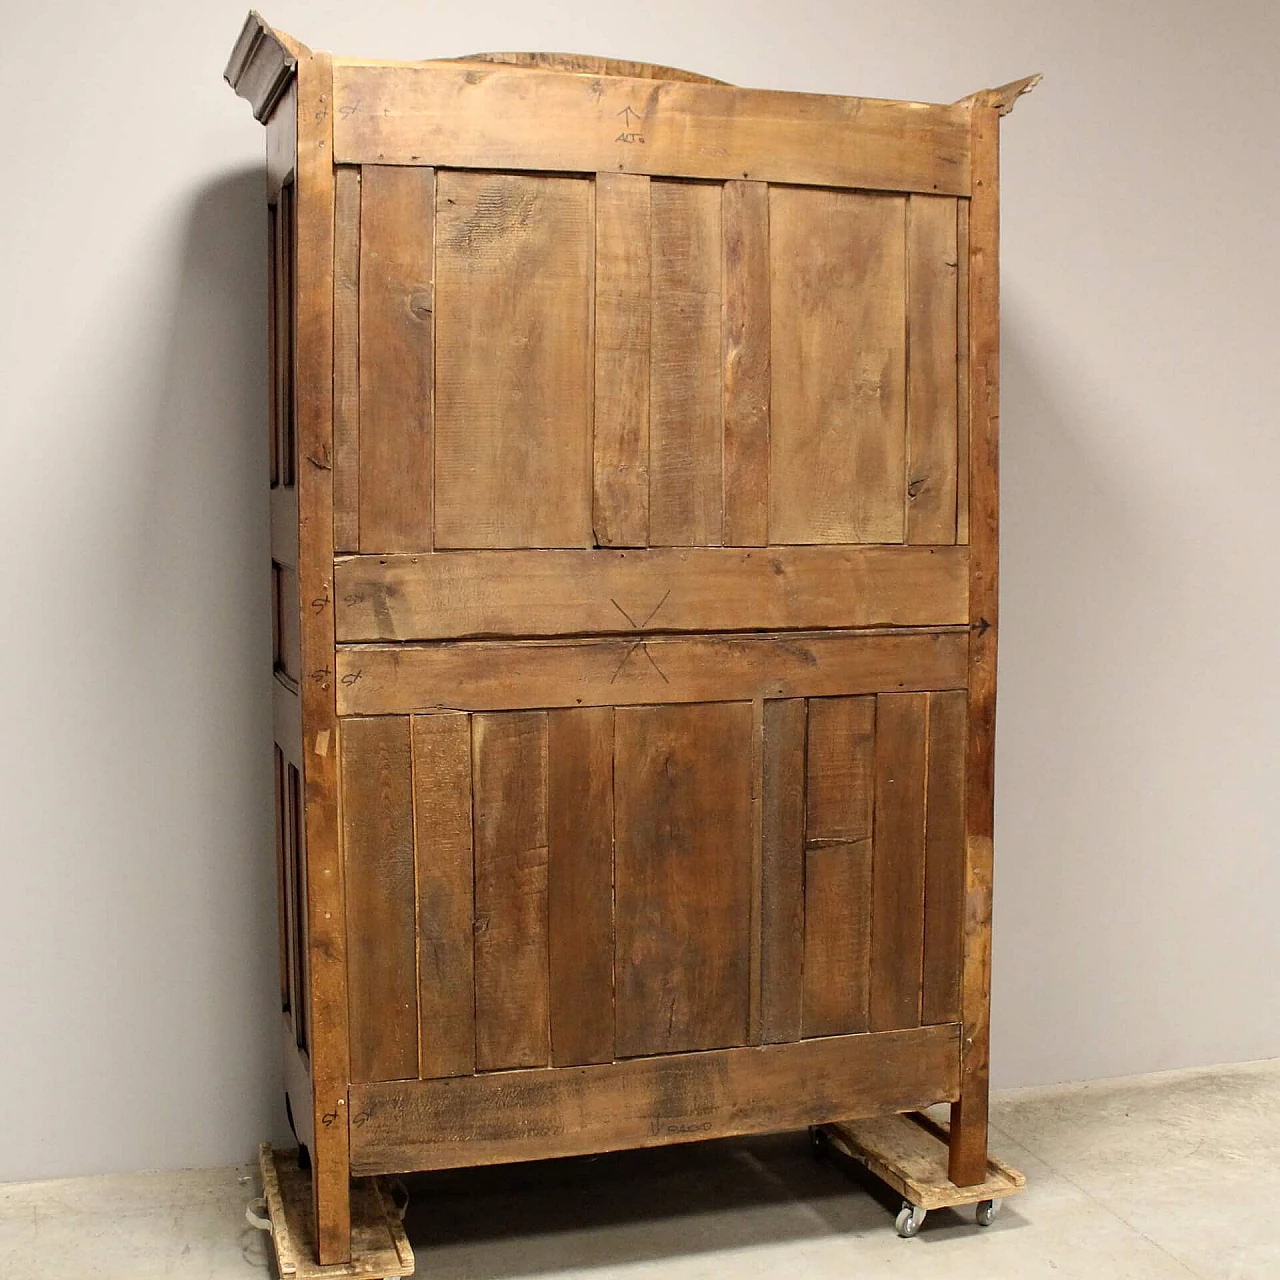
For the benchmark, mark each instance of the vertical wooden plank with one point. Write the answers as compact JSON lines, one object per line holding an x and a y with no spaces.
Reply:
{"x":837,"y":909}
{"x":837,"y":428}
{"x":326,"y":909}
{"x":840,"y":767}
{"x":346,"y":360}
{"x":686,"y":474}
{"x":382,"y":963}
{"x":397,"y":206}
{"x":446,"y":894}
{"x":621,"y":446}
{"x":897,"y":883}
{"x":931,"y":366}
{"x":509,"y":763}
{"x":745,"y":274}
{"x":969,"y":1115}
{"x":840,"y":771}
{"x":755,"y":940}
{"x":962,"y":372}
{"x":580,"y":883}
{"x":682,"y":788}
{"x":782,"y":912}
{"x":514,"y":256}
{"x":944,"y":858}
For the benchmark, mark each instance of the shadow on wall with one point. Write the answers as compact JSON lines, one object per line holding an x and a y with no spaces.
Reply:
{"x":1073,"y":740}
{"x":198,"y":620}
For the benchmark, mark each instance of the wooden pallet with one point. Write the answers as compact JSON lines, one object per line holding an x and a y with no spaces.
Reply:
{"x":908,"y":1152}
{"x":379,"y":1246}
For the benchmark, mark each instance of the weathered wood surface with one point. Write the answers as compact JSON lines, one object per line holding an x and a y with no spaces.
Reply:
{"x":622,"y":342}
{"x":969,"y":1116}
{"x":467,"y":117}
{"x":396,"y":488}
{"x":513,"y":298}
{"x":682,"y":785}
{"x":909,"y":1153}
{"x":326,"y":909}
{"x":643,"y":1102}
{"x":379,"y":1246}
{"x":494,"y":676}
{"x":378,"y":847}
{"x":548,"y":593}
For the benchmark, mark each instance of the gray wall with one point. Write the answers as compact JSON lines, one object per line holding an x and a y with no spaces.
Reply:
{"x":1137,"y":867}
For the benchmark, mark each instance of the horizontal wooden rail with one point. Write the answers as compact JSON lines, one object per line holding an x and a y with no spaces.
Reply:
{"x":408,"y":1125}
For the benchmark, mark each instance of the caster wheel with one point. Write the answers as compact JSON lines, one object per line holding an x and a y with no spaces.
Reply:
{"x":910,"y":1220}
{"x":986,"y":1212}
{"x":819,"y":1144}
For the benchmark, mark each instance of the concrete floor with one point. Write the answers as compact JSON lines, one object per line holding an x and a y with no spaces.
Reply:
{"x":1175,"y":1174}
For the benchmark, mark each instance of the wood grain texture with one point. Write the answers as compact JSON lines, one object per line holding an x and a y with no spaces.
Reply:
{"x":467,"y":117}
{"x":590,"y":64}
{"x":897,"y":910}
{"x":492,"y":676}
{"x":326,"y":909}
{"x":682,"y":787}
{"x":621,"y":467}
{"x":686,"y":475}
{"x":580,"y":883}
{"x":944,"y":858}
{"x":446,"y":894}
{"x":531,"y":1115}
{"x":841,"y":768}
{"x":550,"y":593}
{"x":378,"y":865}
{"x":514,"y":255}
{"x":837,"y":421}
{"x":969,"y":1117}
{"x":397,"y":216}
{"x":782,"y":870}
{"x":346,"y":360}
{"x":962,"y":372}
{"x":931,"y":386}
{"x":509,"y":764}
{"x":837,"y":918}
{"x":745,"y":273}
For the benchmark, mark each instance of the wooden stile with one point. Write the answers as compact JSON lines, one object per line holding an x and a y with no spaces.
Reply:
{"x":633,"y":538}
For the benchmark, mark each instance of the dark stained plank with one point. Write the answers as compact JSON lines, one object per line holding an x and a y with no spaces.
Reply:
{"x":682,"y":790}
{"x":446,"y":894}
{"x":944,"y":858}
{"x":686,"y":476}
{"x":514,"y":255}
{"x":493,"y":676}
{"x":782,"y":870}
{"x":546,"y":593}
{"x":533,"y":1115}
{"x":745,"y":236}
{"x":897,"y":892}
{"x":962,"y":372}
{"x":580,"y":883}
{"x":837,"y":919}
{"x":346,"y":360}
{"x":382,"y":962}
{"x":841,"y":768}
{"x":931,"y":384}
{"x":621,"y":468}
{"x":501,"y":118}
{"x":509,"y":764}
{"x":837,"y":421}
{"x":396,"y":219}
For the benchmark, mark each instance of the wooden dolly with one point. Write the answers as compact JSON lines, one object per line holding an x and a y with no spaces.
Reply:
{"x":379,"y":1247}
{"x":908,"y":1153}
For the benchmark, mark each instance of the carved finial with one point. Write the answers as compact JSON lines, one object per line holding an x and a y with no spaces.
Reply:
{"x":1004,"y":97}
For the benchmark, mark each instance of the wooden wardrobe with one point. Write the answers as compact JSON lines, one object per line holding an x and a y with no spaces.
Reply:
{"x":633,"y":534}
